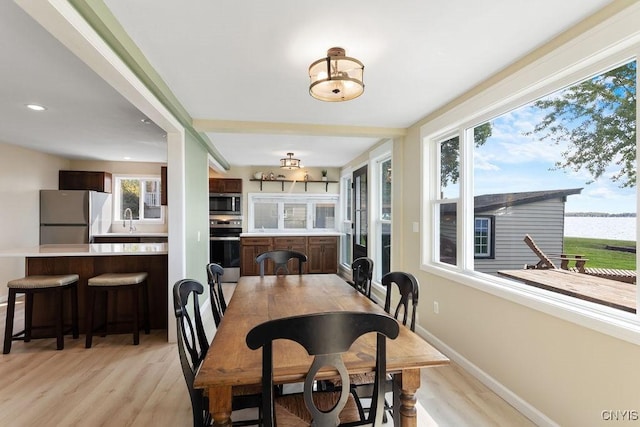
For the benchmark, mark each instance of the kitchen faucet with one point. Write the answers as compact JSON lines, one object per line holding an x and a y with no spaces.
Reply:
{"x":132,"y":228}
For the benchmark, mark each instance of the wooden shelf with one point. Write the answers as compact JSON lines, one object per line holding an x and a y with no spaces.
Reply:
{"x":282,"y":181}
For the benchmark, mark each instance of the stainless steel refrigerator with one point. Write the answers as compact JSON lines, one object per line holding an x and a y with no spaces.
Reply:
{"x":73,"y":216}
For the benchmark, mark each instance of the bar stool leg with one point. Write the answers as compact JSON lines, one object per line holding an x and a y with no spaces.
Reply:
{"x":8,"y":328}
{"x":145,"y":305}
{"x":74,"y":311}
{"x":59,"y":319}
{"x":28,"y":315}
{"x":90,"y":308}
{"x":135,"y":290}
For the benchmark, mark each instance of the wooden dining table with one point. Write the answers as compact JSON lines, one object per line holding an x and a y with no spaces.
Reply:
{"x":230,"y":363}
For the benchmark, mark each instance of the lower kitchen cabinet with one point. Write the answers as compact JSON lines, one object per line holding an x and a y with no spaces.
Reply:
{"x":323,"y":254}
{"x":250,"y":248}
{"x":292,"y":243}
{"x":321,"y":251}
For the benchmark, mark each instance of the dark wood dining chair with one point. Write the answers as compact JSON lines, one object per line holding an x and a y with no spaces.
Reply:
{"x":325,"y":336}
{"x":408,"y":289}
{"x":361,"y":275}
{"x":281,"y":260}
{"x":193,"y":347}
{"x":216,"y":297}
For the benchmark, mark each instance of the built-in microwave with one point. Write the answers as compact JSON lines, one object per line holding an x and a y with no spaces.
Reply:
{"x":229,"y":204}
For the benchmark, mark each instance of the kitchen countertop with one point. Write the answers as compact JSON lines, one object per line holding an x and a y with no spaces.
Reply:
{"x":134,"y":234}
{"x":94,"y":249}
{"x":289,"y":233}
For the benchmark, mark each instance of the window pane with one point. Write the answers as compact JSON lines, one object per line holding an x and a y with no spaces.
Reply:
{"x":448,"y":233}
{"x":361,"y":210}
{"x":482,"y":235}
{"x":265,"y":215}
{"x":295,"y":215}
{"x":386,"y":248}
{"x":450,"y":168}
{"x":568,"y":156}
{"x":349,"y":196}
{"x":130,"y":197}
{"x":324,"y":215}
{"x":385,"y":186}
{"x":152,"y":208}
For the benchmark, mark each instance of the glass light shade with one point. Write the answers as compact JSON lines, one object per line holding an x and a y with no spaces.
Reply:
{"x":336,"y":77}
{"x":289,"y":162}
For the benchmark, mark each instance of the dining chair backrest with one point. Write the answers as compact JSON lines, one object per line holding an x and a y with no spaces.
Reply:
{"x":361,"y":275}
{"x":216,"y":297}
{"x":409,"y":290}
{"x":192,"y":343}
{"x":324,"y":336}
{"x":280,"y":258}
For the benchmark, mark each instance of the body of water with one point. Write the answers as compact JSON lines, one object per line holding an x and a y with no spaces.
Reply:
{"x":600,"y":227}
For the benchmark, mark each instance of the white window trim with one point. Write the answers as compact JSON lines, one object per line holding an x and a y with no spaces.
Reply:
{"x":377,"y":156}
{"x":116,"y":199}
{"x":615,"y":41}
{"x":346,"y":224}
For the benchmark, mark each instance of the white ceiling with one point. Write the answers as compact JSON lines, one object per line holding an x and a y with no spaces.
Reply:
{"x":236,"y":61}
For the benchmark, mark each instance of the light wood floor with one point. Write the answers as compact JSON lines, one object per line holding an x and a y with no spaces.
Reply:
{"x":117,"y":384}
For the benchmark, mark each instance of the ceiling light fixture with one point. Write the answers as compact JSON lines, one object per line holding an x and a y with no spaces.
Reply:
{"x":36,"y":107}
{"x":289,"y":162}
{"x":336,"y":77}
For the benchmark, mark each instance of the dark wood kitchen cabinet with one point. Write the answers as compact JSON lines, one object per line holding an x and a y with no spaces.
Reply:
{"x":292,"y":243}
{"x":323,"y":254}
{"x":321,"y":251}
{"x":225,"y":185}
{"x":163,"y":186}
{"x":250,"y":248}
{"x":85,"y":180}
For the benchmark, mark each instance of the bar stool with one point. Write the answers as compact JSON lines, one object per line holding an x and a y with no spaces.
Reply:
{"x":104,"y":283}
{"x":31,"y":285}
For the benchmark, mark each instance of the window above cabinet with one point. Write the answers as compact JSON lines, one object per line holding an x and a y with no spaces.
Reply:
{"x":293,"y":212}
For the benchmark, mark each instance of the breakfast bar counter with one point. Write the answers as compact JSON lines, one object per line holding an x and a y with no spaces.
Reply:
{"x":89,"y":260}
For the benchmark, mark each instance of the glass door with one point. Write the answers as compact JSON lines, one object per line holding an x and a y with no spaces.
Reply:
{"x":360,"y":213}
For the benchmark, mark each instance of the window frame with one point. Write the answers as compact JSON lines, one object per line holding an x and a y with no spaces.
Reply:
{"x":117,"y":198}
{"x":378,"y":156}
{"x":310,"y":199}
{"x":558,"y":69}
{"x":346,"y":206}
{"x":491,"y":245}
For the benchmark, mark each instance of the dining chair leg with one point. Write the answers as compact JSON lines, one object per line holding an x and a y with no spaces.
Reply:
{"x":59,"y":319}
{"x":28,"y":315}
{"x":8,"y":328}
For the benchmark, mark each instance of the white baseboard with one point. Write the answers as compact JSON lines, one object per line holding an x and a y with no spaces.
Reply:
{"x":513,"y":399}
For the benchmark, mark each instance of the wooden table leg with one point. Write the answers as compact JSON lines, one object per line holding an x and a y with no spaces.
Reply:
{"x":408,"y":383}
{"x":220,"y":405}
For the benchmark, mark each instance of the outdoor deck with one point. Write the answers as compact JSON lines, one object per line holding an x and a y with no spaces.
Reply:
{"x":599,"y":290}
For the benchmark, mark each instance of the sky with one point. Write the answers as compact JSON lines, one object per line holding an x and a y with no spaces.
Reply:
{"x":510,"y":161}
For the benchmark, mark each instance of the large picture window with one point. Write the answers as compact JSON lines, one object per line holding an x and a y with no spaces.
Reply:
{"x":545,"y":185}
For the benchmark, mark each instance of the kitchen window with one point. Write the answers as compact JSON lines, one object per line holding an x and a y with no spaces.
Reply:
{"x":294,"y":212}
{"x":141,"y":195}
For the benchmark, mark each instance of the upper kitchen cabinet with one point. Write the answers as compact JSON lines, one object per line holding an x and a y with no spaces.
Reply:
{"x":225,"y":185}
{"x":85,"y":180}
{"x":163,"y":186}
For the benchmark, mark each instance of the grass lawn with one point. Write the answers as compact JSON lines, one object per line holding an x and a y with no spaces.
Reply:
{"x":594,"y":250}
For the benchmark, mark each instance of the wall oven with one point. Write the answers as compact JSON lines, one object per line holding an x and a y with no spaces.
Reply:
{"x":224,"y":237}
{"x":229,"y":204}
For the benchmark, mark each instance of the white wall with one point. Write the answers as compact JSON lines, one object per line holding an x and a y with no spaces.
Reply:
{"x":22,"y":174}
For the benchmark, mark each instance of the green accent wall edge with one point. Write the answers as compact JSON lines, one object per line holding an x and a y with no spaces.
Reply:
{"x":100,"y":18}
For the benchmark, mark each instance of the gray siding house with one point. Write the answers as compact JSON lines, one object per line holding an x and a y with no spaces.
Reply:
{"x":502,"y":220}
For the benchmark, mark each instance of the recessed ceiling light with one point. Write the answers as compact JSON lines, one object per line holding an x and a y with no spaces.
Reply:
{"x":127,"y":158}
{"x":146,"y":121}
{"x":36,"y":107}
